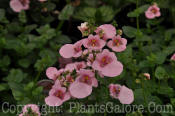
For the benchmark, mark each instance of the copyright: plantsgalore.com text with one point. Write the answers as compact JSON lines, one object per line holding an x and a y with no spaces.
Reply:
{"x":109,"y":107}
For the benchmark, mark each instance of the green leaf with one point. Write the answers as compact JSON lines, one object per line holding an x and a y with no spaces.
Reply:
{"x":173,"y":101}
{"x":160,"y":73}
{"x":169,"y":34}
{"x":29,"y":28}
{"x":129,"y":31}
{"x":2,"y":14}
{"x":5,"y":61}
{"x":46,"y":29}
{"x":24,"y":63}
{"x":37,"y":91}
{"x":83,"y":15}
{"x":22,"y":16}
{"x":16,"y":75}
{"x":17,"y":90}
{"x":29,"y":86}
{"x":4,"y":86}
{"x":50,"y":6}
{"x":66,"y":12}
{"x":63,"y":39}
{"x":105,"y":14}
{"x":165,"y":90}
{"x":160,"y":58}
{"x":138,"y":11}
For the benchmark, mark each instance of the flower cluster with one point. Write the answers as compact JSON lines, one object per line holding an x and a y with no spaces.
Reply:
{"x":91,"y":57}
{"x":30,"y":110}
{"x":19,"y":5}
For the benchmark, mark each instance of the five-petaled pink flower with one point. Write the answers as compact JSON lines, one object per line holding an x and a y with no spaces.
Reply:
{"x":71,"y":50}
{"x":106,"y":31}
{"x":57,"y":95}
{"x":30,"y":109}
{"x":19,"y":5}
{"x":106,"y":62}
{"x":173,"y":57}
{"x":152,"y":12}
{"x":94,"y":42}
{"x":53,"y":73}
{"x":82,"y":87}
{"x":122,"y":93}
{"x":117,"y":44}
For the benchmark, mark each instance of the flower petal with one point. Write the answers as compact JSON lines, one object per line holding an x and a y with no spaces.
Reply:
{"x":126,"y":95}
{"x":53,"y":101}
{"x":67,"y":51}
{"x":80,"y":90}
{"x":52,"y":73}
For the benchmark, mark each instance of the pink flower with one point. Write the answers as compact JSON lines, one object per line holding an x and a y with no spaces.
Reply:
{"x":57,"y":95}
{"x":80,"y":65}
{"x":84,"y":28}
{"x":70,"y":67}
{"x":122,"y":93}
{"x":85,"y":52}
{"x":147,"y":75}
{"x":30,"y":109}
{"x":90,"y":59}
{"x":88,"y":77}
{"x":53,"y":73}
{"x":173,"y":57}
{"x":18,"y":5}
{"x":106,"y":31}
{"x":71,"y":50}
{"x":94,"y":42}
{"x":152,"y":12}
{"x":69,"y":79}
{"x":82,"y":87}
{"x":117,"y":44}
{"x":75,"y":66}
{"x":106,"y":62}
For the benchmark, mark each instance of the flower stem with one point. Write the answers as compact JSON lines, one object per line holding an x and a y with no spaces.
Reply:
{"x":60,"y":25}
{"x":137,"y":18}
{"x":37,"y":76}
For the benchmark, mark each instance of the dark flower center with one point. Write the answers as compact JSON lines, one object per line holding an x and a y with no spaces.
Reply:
{"x":105,"y":60}
{"x":77,"y":49}
{"x":23,"y":2}
{"x":117,"y":42}
{"x":153,"y":10}
{"x":86,"y":79}
{"x":59,"y":94}
{"x":116,"y":90}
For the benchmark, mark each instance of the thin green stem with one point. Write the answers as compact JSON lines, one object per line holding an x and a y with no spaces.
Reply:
{"x":144,"y":97}
{"x":173,"y":15}
{"x":37,"y":76}
{"x":60,"y":25}
{"x":137,"y":18}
